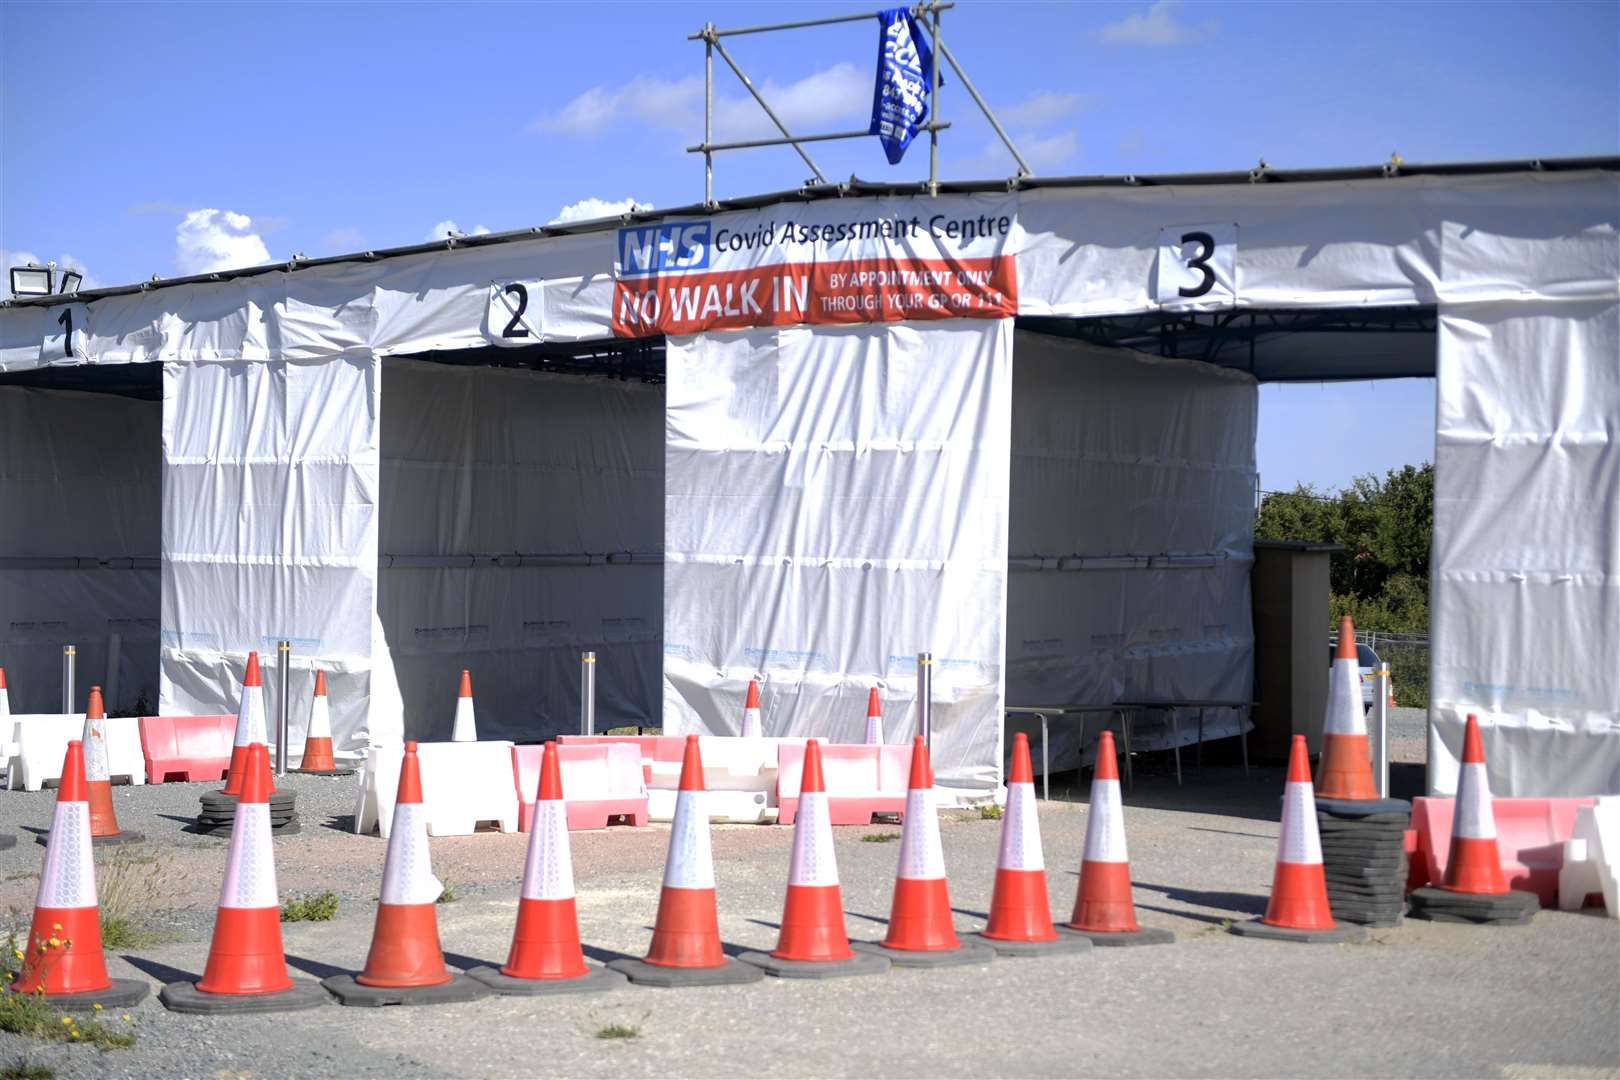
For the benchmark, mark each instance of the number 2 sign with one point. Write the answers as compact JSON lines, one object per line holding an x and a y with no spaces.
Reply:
{"x":513,"y":317}
{"x":1197,"y":266}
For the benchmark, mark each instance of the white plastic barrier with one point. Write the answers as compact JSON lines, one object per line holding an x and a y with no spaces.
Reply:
{"x":740,"y":775}
{"x":463,"y":784}
{"x":39,"y":742}
{"x":1592,"y":858}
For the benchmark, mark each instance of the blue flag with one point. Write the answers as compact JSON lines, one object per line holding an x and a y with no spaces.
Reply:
{"x":905,"y":73}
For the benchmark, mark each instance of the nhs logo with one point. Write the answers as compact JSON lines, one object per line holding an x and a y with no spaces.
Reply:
{"x":670,"y":247}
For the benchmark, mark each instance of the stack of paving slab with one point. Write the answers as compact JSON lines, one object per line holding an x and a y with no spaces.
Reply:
{"x":1364,"y":858}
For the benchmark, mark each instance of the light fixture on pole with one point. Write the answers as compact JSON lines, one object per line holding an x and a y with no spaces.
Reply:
{"x":33,"y":279}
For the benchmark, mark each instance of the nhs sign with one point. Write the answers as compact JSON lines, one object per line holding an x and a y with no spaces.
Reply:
{"x":670,"y":247}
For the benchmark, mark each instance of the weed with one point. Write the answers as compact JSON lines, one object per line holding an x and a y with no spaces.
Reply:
{"x":879,"y":837}
{"x":130,"y":888}
{"x":32,"y":1016}
{"x":23,"y":1069}
{"x":311,"y":907}
{"x":448,"y":895}
{"x":619,"y":1031}
{"x":989,"y":812}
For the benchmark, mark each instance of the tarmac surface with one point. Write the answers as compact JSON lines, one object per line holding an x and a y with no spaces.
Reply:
{"x":1425,"y":999}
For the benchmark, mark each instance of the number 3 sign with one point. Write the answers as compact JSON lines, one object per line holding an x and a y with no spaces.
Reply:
{"x":513,"y":318}
{"x":1197,"y":266}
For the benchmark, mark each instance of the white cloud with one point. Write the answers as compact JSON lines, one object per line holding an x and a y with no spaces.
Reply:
{"x":1043,"y":108}
{"x":444,"y":228}
{"x":1158,"y":25}
{"x":1045,"y":154}
{"x":210,"y":240}
{"x":591,"y":208}
{"x":9,"y":258}
{"x":805,"y":105}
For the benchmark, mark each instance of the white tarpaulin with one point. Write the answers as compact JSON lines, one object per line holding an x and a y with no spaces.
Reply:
{"x":521,"y":521}
{"x":269,"y":534}
{"x":835,"y":503}
{"x":1526,"y":568}
{"x":79,"y":515}
{"x":1132,"y":531}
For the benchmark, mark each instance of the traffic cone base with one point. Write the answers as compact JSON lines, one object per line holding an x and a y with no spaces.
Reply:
{"x":349,"y":990}
{"x":184,"y":997}
{"x":594,"y":981}
{"x":1438,"y":904}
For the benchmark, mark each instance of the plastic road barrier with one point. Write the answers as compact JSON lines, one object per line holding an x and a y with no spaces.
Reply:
{"x":194,"y":749}
{"x":599,"y":782}
{"x":464,"y":784}
{"x":41,"y":743}
{"x":862,"y":780}
{"x":1530,"y":835}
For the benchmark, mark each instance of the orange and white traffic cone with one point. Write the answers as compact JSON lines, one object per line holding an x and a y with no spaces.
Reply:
{"x":752,"y":726}
{"x":874,"y":719}
{"x":685,"y":949}
{"x":64,"y":961}
{"x":465,"y":728}
{"x":247,"y":970}
{"x":813,"y":943}
{"x":1020,"y":922}
{"x":406,"y":963}
{"x":318,"y":737}
{"x":251,"y":725}
{"x":921,"y":933}
{"x":1298,"y":909}
{"x":1474,"y":888}
{"x":1345,"y":770}
{"x":1104,"y":911}
{"x":103,"y":817}
{"x":546,"y":956}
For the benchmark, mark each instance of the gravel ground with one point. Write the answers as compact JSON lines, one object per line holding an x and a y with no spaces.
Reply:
{"x":1429,"y":999}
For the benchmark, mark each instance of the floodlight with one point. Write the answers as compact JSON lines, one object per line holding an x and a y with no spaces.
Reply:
{"x":71,"y":280}
{"x":31,"y":280}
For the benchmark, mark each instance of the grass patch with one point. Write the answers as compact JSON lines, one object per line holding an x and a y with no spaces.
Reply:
{"x":619,"y":1031}
{"x":990,"y":812}
{"x":311,"y":907}
{"x":130,"y":888}
{"x":879,"y":837}
{"x":23,"y":1069}
{"x":448,"y":895}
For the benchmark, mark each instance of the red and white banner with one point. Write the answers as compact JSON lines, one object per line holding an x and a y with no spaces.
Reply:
{"x":860,"y":261}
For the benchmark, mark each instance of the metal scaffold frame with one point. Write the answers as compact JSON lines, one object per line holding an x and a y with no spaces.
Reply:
{"x":926,"y":13}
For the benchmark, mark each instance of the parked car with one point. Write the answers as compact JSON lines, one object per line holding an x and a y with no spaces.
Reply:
{"x":1368,"y":662}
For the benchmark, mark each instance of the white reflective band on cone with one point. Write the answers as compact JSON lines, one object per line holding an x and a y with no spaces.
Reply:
{"x":95,"y":750}
{"x":690,"y":864}
{"x":874,"y":731}
{"x":250,"y":865}
{"x":1105,"y":824}
{"x":408,"y":872}
{"x":1473,"y":818}
{"x":249,"y":717}
{"x":548,"y":872}
{"x":5,"y":702}
{"x":1020,"y":831}
{"x":813,"y":862}
{"x":1299,"y":842}
{"x":261,"y":717}
{"x":752,"y":727}
{"x":320,"y":719}
{"x":921,"y":858}
{"x":68,"y":879}
{"x":465,"y":729}
{"x":1346,"y":715}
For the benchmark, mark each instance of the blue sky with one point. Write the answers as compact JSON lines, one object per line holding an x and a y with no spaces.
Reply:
{"x":169,"y":138}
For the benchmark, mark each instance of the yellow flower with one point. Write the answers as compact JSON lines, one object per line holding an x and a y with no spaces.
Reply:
{"x":55,"y":942}
{"x":127,"y":1020}
{"x":67,"y":1020}
{"x":96,"y":1007}
{"x":19,"y":953}
{"x":56,"y":926}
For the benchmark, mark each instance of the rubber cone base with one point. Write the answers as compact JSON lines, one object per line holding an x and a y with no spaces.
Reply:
{"x":8,"y":841}
{"x":968,"y":952}
{"x":1148,"y":935}
{"x":127,"y":836}
{"x":1072,"y":944}
{"x":349,"y":992}
{"x":594,"y":982}
{"x":184,"y":997}
{"x":120,"y":995}
{"x":861,"y":963}
{"x":730,"y":973}
{"x":340,"y":771}
{"x":1436,"y":904}
{"x":1338,"y":935}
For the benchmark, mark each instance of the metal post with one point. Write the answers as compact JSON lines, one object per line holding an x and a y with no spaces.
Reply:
{"x":933,"y":109}
{"x":708,"y":113}
{"x":70,"y":661}
{"x":587,"y":693}
{"x":1380,"y":733}
{"x":925,"y":698}
{"x":283,"y":703}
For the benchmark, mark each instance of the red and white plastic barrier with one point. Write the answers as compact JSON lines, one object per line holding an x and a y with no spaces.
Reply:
{"x":599,"y":782}
{"x":1530,"y":836}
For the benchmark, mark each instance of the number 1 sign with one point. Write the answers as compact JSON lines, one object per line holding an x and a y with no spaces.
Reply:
{"x":1197,"y":266}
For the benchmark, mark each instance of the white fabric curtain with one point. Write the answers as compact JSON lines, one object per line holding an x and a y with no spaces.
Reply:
{"x":835,"y":503}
